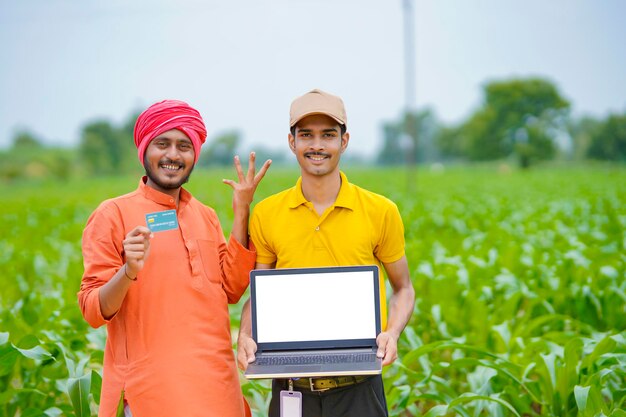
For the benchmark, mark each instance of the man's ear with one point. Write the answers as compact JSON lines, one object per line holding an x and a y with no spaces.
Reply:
{"x":345,"y":138}
{"x":292,"y":143}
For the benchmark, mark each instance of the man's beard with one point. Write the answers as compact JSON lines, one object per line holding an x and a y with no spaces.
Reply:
{"x":155,"y":179}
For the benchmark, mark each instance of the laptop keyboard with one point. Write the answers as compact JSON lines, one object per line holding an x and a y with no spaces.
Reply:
{"x":316,"y":359}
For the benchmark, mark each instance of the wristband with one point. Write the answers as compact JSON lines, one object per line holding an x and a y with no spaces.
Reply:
{"x":127,"y":276}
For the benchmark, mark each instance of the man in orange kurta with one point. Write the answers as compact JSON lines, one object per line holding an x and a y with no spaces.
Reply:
{"x":163,"y":295}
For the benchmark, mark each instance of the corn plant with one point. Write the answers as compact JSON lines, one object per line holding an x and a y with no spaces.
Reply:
{"x":519,"y":277}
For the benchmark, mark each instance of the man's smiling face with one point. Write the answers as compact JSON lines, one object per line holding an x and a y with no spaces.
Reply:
{"x":318,"y":143}
{"x":169,"y":160}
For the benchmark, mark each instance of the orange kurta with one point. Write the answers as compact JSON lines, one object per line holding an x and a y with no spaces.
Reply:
{"x":169,"y":345}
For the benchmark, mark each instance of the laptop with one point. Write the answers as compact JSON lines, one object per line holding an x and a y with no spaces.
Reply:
{"x":312,"y":322}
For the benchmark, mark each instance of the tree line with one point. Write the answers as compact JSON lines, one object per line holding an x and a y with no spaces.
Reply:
{"x":526,"y":119}
{"x":104,"y":149}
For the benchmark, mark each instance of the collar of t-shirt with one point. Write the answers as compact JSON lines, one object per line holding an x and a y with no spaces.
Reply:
{"x":345,"y":198}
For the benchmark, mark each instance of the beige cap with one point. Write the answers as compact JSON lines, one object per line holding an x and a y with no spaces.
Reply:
{"x":317,"y":102}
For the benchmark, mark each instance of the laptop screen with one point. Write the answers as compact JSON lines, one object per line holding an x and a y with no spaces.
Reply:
{"x":315,"y":307}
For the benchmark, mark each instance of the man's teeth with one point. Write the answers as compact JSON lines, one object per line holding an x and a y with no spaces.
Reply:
{"x":316,"y":157}
{"x":172,"y":167}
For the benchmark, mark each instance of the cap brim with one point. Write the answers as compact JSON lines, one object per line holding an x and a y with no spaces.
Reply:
{"x":311,"y":113}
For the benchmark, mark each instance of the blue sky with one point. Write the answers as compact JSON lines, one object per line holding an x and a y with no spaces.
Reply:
{"x":68,"y":62}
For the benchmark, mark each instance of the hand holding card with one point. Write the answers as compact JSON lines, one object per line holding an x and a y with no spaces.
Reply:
{"x":162,"y":220}
{"x":137,"y":249}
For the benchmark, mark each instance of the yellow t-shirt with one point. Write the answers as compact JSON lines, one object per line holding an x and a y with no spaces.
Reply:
{"x":361,"y":228}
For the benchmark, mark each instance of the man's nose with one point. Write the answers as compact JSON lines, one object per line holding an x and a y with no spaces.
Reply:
{"x":317,"y":143}
{"x":172,"y":152}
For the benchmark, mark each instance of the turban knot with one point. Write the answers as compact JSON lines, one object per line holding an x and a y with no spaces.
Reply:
{"x":167,"y":115}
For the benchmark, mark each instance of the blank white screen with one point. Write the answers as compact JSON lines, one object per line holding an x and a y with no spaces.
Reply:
{"x":325,"y":306}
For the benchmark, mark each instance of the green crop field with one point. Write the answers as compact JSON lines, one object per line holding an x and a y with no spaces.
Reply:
{"x":519,"y":276}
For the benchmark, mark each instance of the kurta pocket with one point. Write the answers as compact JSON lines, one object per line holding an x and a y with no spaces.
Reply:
{"x":210,"y":260}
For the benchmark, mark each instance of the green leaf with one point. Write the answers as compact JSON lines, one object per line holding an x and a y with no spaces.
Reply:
{"x":32,"y":412}
{"x":53,"y":412}
{"x":581,"y":394}
{"x":539,"y":322}
{"x":7,"y":396}
{"x":499,"y":366}
{"x":589,"y":400}
{"x":8,"y":357}
{"x":78,"y":390}
{"x":503,"y":331}
{"x":37,"y":353}
{"x":31,"y":310}
{"x":28,"y":341}
{"x":437,"y":411}
{"x":431,"y":397}
{"x":597,"y":378}
{"x":411,"y":337}
{"x":412,"y":357}
{"x":606,"y":345}
{"x":30,"y":391}
{"x":567,"y":376}
{"x":619,"y":338}
{"x":550,"y":361}
{"x":120,"y":406}
{"x":70,"y":365}
{"x":96,"y":386}
{"x":593,"y":299}
{"x":80,"y":367}
{"x":410,"y":372}
{"x":398,"y":396}
{"x":469,"y":397}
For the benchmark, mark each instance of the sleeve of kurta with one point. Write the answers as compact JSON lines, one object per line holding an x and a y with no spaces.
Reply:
{"x":265,"y":253}
{"x":102,"y":258}
{"x":236,"y":262}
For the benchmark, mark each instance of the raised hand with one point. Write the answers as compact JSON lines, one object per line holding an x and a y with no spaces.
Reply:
{"x":243,"y":191}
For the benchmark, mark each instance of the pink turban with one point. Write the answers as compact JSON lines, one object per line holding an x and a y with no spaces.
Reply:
{"x":167,"y":115}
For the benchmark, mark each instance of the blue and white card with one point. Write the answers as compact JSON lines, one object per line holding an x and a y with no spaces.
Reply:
{"x":162,"y":220}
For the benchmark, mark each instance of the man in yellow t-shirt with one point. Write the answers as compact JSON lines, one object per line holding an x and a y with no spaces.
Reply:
{"x":326,"y":221}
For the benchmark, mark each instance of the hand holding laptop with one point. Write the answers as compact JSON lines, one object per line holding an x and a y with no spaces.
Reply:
{"x":246,"y":348}
{"x":387,"y":348}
